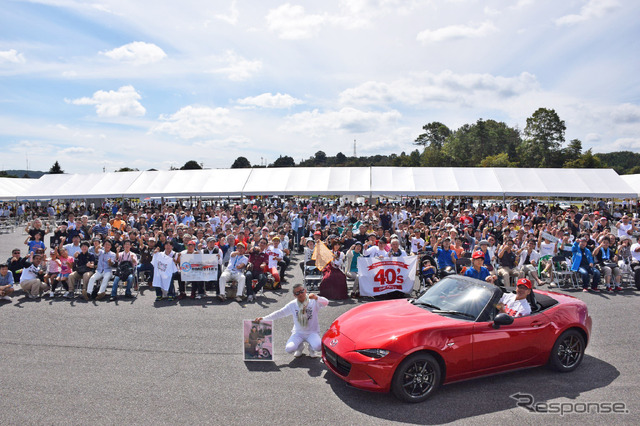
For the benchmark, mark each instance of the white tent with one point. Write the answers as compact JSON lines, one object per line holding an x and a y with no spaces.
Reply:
{"x":633,"y":181}
{"x":399,"y":181}
{"x":12,"y":188}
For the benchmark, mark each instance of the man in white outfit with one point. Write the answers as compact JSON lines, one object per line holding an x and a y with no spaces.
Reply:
{"x":237,"y":262}
{"x":304,"y":310}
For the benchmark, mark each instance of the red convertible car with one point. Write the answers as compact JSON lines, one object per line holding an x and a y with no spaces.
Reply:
{"x":452,"y":332}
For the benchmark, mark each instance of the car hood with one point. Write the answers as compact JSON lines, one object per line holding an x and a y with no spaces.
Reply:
{"x":377,"y":323}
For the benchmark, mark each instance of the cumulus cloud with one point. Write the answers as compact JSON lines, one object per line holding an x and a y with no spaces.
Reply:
{"x":625,"y":144}
{"x":237,"y":68}
{"x":121,"y":103}
{"x":138,"y":53}
{"x":626,"y":113}
{"x":197,"y":122}
{"x":232,"y":16}
{"x":456,"y":32}
{"x":12,"y":56}
{"x":592,"y":10}
{"x":444,"y":87}
{"x":291,"y":22}
{"x":348,"y":119}
{"x":268,"y":100}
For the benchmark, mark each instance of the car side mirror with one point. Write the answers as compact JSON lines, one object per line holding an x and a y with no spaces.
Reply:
{"x":502,"y":319}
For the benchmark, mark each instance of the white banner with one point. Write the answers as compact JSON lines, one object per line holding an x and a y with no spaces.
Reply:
{"x":199,"y":267}
{"x":548,"y":236}
{"x":379,"y":276}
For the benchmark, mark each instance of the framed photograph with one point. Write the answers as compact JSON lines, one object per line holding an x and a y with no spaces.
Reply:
{"x":257,"y":340}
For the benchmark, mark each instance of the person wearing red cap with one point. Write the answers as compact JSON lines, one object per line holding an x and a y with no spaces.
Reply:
{"x":477,"y":270}
{"x":516,"y":305}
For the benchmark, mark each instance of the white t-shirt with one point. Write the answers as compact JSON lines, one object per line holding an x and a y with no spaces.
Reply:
{"x":622,"y":229}
{"x":374,"y":251}
{"x":274,"y":253}
{"x":635,"y":254}
{"x":416,"y":244}
{"x":513,"y":307}
{"x":546,"y":249}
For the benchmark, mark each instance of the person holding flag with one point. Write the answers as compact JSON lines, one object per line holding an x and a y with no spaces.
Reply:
{"x":334,"y":281}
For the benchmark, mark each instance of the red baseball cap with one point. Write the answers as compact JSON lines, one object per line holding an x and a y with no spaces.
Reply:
{"x":525,"y":282}
{"x":477,"y":255}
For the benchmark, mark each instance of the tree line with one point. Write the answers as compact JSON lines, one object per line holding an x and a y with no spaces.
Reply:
{"x":485,"y":143}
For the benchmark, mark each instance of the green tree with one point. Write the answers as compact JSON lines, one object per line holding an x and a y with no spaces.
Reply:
{"x":435,"y":133}
{"x":126,"y":169}
{"x":498,"y":160}
{"x":543,"y":138}
{"x":241,"y":163}
{"x":341,"y":158}
{"x":320,"y":158}
{"x":572,"y":152}
{"x":56,"y":169}
{"x":191,"y":165}
{"x":586,"y":161}
{"x":285,"y":161}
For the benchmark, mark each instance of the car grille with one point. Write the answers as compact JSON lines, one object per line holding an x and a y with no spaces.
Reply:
{"x":340,"y":364}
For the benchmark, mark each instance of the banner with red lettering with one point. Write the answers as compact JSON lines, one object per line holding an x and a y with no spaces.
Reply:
{"x":383,"y":275}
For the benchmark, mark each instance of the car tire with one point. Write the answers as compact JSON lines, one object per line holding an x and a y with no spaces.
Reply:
{"x":567,"y":352}
{"x":416,"y":378}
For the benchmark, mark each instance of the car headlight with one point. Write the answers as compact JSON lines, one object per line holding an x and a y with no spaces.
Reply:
{"x":374,"y":353}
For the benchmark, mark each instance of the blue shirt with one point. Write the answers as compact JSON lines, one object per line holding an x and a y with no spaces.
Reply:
{"x":444,"y":257}
{"x":473,"y":273}
{"x":6,"y":279}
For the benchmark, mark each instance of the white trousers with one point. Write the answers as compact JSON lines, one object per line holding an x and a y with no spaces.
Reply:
{"x":232,"y":276}
{"x":104,"y":276}
{"x":296,"y":340}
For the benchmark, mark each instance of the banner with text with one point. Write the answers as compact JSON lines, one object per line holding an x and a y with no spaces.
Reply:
{"x":199,"y":267}
{"x":379,"y":276}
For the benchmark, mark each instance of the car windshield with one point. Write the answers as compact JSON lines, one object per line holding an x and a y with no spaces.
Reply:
{"x":458,"y":297}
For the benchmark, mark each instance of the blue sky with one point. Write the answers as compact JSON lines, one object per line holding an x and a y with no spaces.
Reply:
{"x":153,"y":84}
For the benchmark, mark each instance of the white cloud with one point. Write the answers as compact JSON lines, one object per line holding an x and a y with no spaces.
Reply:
{"x":232,"y":17}
{"x":238,"y":68}
{"x":292,"y":23}
{"x":12,"y":56}
{"x":138,"y":53}
{"x":121,"y":103}
{"x":445,"y":87}
{"x":77,"y":150}
{"x":626,"y":113}
{"x":627,"y":144}
{"x":197,"y":122}
{"x":456,"y":32}
{"x":348,"y":119}
{"x":592,"y":10}
{"x":232,"y":142}
{"x":268,"y":100}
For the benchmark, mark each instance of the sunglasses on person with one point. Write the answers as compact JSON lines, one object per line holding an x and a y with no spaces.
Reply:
{"x":299,"y":292}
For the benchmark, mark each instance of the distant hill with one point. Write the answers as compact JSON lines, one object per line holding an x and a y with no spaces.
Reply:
{"x":33,"y":174}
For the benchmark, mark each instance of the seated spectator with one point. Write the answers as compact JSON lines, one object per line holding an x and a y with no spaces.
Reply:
{"x":16,"y":263}
{"x":234,"y":271}
{"x":528,"y":262}
{"x":127,"y":262}
{"x":85,"y":264}
{"x":608,"y":264}
{"x":583,"y":263}
{"x":30,"y":278}
{"x":6,"y":282}
{"x":477,"y":270}
{"x":507,"y":262}
{"x":104,"y":270}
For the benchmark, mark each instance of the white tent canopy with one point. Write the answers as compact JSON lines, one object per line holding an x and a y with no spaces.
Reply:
{"x":633,"y":181}
{"x":403,"y":181}
{"x":12,"y":188}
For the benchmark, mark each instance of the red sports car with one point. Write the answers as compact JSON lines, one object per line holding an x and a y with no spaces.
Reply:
{"x":452,"y":332}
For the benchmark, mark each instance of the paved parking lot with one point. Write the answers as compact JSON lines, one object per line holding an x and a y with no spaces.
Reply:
{"x":143,"y":362}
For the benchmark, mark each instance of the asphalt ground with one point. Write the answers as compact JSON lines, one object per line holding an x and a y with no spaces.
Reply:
{"x":142,"y":362}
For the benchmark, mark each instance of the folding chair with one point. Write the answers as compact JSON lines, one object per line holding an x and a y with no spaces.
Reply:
{"x":567,"y":278}
{"x":312,"y":276}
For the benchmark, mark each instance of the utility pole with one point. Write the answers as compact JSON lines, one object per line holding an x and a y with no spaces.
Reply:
{"x":354,"y":148}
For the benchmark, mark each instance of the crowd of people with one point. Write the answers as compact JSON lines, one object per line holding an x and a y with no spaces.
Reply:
{"x":82,"y":247}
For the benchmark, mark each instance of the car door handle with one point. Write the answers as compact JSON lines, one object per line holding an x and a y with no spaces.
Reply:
{"x":537,"y":323}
